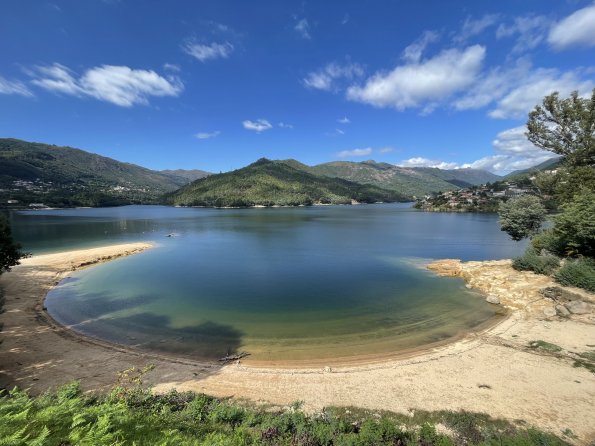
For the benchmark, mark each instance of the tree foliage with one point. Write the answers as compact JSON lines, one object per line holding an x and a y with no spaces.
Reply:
{"x":575,"y":226}
{"x":10,"y":252}
{"x":566,"y":127}
{"x":521,"y":217}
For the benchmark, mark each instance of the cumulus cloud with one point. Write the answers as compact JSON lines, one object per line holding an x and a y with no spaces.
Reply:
{"x":344,"y":120}
{"x":260,"y":125}
{"x":413,"y":53}
{"x":355,"y":152}
{"x":14,"y":87}
{"x":204,"y":52}
{"x":285,"y":125}
{"x":207,"y":135}
{"x":472,"y":27}
{"x":422,"y":83}
{"x":171,"y":67}
{"x":327,"y":77}
{"x":529,"y":92}
{"x":425,"y":162}
{"x":119,"y":85}
{"x":578,"y":29}
{"x":303,"y":28}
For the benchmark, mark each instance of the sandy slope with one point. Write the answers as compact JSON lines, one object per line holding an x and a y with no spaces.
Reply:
{"x":492,"y":372}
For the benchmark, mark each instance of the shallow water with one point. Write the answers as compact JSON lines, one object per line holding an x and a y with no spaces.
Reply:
{"x":282,"y":284}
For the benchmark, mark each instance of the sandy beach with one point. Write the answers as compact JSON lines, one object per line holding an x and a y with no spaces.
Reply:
{"x":493,"y":371}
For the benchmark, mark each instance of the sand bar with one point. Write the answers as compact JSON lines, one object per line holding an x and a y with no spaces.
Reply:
{"x":492,"y":371}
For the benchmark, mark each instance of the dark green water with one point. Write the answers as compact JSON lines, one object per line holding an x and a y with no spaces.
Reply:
{"x":282,"y":284}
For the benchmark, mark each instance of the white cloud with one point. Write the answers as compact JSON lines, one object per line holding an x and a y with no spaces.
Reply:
{"x":303,"y":28}
{"x":578,"y":29}
{"x":119,"y":85}
{"x":355,"y":152}
{"x":386,"y":149}
{"x":207,"y":135}
{"x":530,"y":30}
{"x":413,"y":53}
{"x":326,"y":78}
{"x":204,"y":52}
{"x":171,"y":67}
{"x":425,"y":162}
{"x":339,"y":132}
{"x":532,"y":88}
{"x":492,"y":85}
{"x":344,"y":120}
{"x":260,"y":125}
{"x":14,"y":87}
{"x":472,"y":27}
{"x":422,"y":83}
{"x":284,"y":125}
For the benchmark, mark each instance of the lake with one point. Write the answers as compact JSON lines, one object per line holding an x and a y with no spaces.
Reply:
{"x":284,"y":284}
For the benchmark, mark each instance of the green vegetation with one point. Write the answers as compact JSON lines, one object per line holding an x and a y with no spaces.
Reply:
{"x":276,"y":183}
{"x":10,"y":251}
{"x":65,"y":177}
{"x":531,"y":260}
{"x":544,"y":346}
{"x":565,"y":127}
{"x":579,"y":273}
{"x":408,"y":181}
{"x":130,"y":415}
{"x":521,"y":216}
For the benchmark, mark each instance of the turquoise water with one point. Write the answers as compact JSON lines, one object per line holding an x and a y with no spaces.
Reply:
{"x":282,"y":284}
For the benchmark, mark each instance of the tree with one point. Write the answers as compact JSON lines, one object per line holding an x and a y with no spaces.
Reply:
{"x":10,"y":252}
{"x":522,"y":216}
{"x":566,"y":127}
{"x":575,"y":227}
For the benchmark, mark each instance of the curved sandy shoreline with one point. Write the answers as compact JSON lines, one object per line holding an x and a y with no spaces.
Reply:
{"x":516,"y":382}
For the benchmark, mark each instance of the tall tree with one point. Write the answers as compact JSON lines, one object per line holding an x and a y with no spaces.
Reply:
{"x":10,"y":252}
{"x":566,"y":127}
{"x":522,"y":216}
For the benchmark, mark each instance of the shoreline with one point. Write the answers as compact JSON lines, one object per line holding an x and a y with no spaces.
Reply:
{"x":543,"y":389}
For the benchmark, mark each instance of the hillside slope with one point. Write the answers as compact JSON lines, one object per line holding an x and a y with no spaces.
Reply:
{"x":275,"y":183}
{"x":64,"y":176}
{"x":407,"y":181}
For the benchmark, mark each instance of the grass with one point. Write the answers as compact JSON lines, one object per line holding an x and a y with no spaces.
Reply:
{"x":544,"y":346}
{"x":130,"y":415}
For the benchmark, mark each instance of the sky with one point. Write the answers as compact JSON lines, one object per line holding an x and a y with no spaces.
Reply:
{"x":217,"y":85}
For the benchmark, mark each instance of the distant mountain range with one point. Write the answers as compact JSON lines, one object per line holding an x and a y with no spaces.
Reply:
{"x":277,"y":183}
{"x":410,"y":181}
{"x":65,"y":176}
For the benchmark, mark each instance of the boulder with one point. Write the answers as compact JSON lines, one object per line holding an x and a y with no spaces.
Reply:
{"x":562,"y":311}
{"x":578,"y":307}
{"x":549,"y":311}
{"x":493,"y":299}
{"x":559,"y":294}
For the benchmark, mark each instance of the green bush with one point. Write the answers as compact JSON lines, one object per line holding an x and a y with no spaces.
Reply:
{"x":579,"y":273}
{"x":531,"y":260}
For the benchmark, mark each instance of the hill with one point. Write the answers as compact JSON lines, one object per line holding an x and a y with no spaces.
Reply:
{"x":550,"y":164}
{"x":185,"y":176}
{"x":408,"y":181}
{"x":276,"y":183}
{"x":65,"y":176}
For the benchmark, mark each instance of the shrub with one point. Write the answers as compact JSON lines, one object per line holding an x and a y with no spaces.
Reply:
{"x":532,"y":261}
{"x":579,"y":273}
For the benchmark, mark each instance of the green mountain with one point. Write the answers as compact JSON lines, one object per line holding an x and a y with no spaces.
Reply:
{"x":550,"y":164}
{"x":185,"y":176}
{"x":407,"y":181}
{"x":276,"y":183}
{"x":64,"y":176}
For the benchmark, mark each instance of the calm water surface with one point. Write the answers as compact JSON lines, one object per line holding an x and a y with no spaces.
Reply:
{"x":282,"y":284}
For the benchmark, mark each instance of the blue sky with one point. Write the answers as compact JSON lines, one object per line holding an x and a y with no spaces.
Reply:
{"x":217,"y":85}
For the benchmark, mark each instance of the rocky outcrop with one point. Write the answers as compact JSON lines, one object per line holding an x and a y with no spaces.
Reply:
{"x":533,"y":295}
